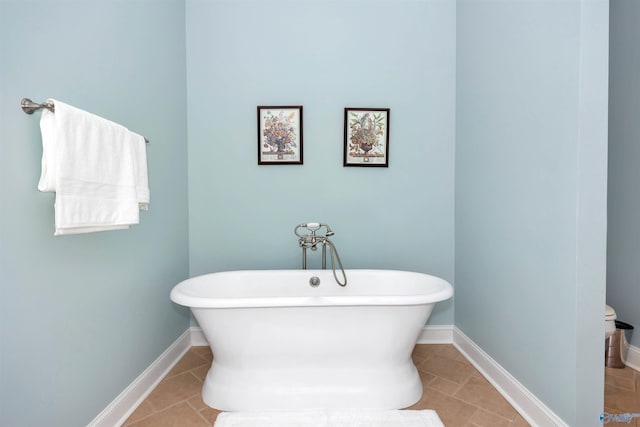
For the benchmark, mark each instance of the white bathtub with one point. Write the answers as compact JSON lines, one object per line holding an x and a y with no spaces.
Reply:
{"x":280,"y":344}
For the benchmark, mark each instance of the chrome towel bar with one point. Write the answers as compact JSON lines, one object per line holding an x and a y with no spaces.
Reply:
{"x":29,"y":107}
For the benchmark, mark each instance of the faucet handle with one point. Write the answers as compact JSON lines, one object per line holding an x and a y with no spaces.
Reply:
{"x":312,"y":227}
{"x":309,"y":226}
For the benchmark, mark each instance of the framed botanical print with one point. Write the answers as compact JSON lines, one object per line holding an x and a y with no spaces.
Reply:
{"x":280,"y":135}
{"x":366,"y":137}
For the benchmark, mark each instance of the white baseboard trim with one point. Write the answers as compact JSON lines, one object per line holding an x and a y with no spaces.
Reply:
{"x":525,"y":402}
{"x":197,"y":337}
{"x":633,"y":357}
{"x":123,"y":406}
{"x":439,"y":334}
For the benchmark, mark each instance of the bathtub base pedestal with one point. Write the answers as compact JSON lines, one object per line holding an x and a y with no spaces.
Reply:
{"x":395,"y":388}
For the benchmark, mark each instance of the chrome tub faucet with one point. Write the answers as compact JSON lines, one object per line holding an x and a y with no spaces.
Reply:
{"x":310,"y":238}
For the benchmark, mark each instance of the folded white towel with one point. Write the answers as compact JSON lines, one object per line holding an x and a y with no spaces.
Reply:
{"x":97,"y":168}
{"x":326,"y":418}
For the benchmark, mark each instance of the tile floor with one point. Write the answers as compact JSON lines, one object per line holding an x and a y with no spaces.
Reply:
{"x":453,"y":387}
{"x":622,"y":394}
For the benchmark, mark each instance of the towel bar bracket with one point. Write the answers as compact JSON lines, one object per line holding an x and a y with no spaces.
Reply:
{"x":29,"y":107}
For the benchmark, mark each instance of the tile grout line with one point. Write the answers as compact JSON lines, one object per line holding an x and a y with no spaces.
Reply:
{"x":156,"y":412}
{"x":199,"y":412}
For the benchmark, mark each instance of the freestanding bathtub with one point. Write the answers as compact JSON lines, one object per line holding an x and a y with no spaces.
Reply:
{"x":280,"y":344}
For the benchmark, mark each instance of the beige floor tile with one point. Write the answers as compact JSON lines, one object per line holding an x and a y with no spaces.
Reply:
{"x":417,"y":359}
{"x":518,"y":421}
{"x":461,"y":358}
{"x":477,"y":392}
{"x":622,"y":394}
{"x":452,"y":411}
{"x":420,"y":352}
{"x":201,"y":371}
{"x":480,"y":380}
{"x":448,"y":369}
{"x":625,"y":372}
{"x":197,"y":403}
{"x":443,"y":386}
{"x":189,"y":361}
{"x":443,"y":350}
{"x":204,"y":352}
{"x":621,"y":400}
{"x":210,"y":414}
{"x":205,"y":411}
{"x":174,"y":389}
{"x":482,"y":418}
{"x":180,"y":415}
{"x":143,"y":410}
{"x":425,"y":377}
{"x":626,"y":383}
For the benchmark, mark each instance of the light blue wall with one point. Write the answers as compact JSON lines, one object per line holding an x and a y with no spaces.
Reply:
{"x":623,"y":269}
{"x":324,"y":55}
{"x":82,"y":316}
{"x":530,"y":193}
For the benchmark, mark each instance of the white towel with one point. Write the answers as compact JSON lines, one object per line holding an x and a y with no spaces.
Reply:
{"x":326,"y":418}
{"x":97,"y":168}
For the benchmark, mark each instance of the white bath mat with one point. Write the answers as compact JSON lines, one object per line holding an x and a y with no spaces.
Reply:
{"x":338,"y":418}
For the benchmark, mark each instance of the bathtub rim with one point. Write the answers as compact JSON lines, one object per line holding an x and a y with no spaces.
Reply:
{"x":443,"y":291}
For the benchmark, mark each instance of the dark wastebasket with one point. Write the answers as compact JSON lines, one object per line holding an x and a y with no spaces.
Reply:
{"x":614,"y":345}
